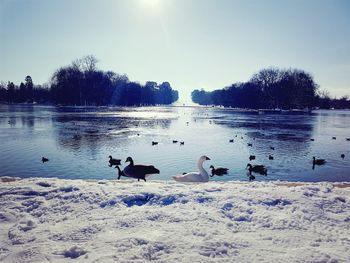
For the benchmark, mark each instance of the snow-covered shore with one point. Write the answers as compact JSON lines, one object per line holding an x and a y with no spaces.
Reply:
{"x":55,"y":220}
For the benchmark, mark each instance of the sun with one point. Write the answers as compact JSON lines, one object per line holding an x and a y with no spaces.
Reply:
{"x":150,"y":3}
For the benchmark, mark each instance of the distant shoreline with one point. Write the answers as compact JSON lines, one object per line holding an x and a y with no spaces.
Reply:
{"x":173,"y":106}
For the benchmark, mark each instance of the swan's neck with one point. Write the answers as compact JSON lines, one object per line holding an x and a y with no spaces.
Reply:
{"x":201,"y":169}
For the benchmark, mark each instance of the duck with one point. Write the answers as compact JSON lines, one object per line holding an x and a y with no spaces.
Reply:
{"x":113,"y":161}
{"x":200,"y":176}
{"x":139,"y":171}
{"x":154,"y":143}
{"x":261,"y":169}
{"x":218,"y":171}
{"x":44,"y":159}
{"x":251,"y":157}
{"x":318,"y":161}
{"x":271,"y":157}
{"x":342,"y":155}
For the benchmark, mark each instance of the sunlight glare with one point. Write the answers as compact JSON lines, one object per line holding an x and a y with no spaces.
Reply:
{"x":154,"y":4}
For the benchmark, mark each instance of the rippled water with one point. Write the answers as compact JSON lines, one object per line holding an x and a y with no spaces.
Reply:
{"x":79,"y":140}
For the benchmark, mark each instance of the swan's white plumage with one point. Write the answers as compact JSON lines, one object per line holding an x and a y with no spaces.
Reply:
{"x":200,"y":176}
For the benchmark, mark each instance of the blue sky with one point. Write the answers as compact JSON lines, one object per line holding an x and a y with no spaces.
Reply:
{"x":192,"y":44}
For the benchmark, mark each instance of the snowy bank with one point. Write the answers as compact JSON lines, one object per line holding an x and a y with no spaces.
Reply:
{"x":55,"y":220}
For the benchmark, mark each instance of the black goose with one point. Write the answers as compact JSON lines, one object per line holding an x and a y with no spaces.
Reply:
{"x":182,"y":143}
{"x":348,"y":139}
{"x":250,"y":145}
{"x":174,"y":141}
{"x":154,"y":143}
{"x":342,"y":155}
{"x":272,"y":148}
{"x":271,"y":157}
{"x":231,"y":140}
{"x":334,"y":138}
{"x":218,"y":171}
{"x":261,"y":169}
{"x":113,"y":161}
{"x":138,"y":171}
{"x":318,"y":161}
{"x":44,"y":159}
{"x":120,"y":172}
{"x":251,"y":157}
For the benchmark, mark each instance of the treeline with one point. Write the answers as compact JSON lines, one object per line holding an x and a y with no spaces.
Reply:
{"x":272,"y":88}
{"x":81,"y":83}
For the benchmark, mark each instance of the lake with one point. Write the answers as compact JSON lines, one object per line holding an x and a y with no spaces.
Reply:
{"x":78,"y":141}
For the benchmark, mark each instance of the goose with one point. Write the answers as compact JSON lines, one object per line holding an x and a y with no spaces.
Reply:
{"x":200,"y":176}
{"x":272,"y":148}
{"x":334,"y":138}
{"x":261,"y":169}
{"x":218,"y":171}
{"x":138,"y":171}
{"x":342,"y":155}
{"x":154,"y":143}
{"x":318,"y":161}
{"x":113,"y":161}
{"x":271,"y":157}
{"x":251,"y":157}
{"x":182,"y":143}
{"x":231,"y":140}
{"x":312,"y":139}
{"x":120,"y":172}
{"x":174,"y":141}
{"x":250,"y":145}
{"x":44,"y":159}
{"x":348,"y":139}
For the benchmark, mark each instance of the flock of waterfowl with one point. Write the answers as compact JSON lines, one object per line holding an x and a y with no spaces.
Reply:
{"x":139,"y":171}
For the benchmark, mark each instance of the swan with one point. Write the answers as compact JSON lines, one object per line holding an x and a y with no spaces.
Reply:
{"x":138,"y":171}
{"x":200,"y":176}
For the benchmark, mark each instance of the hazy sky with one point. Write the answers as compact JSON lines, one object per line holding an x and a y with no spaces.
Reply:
{"x":192,"y":44}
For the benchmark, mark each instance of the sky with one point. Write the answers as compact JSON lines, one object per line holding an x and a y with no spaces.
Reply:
{"x":192,"y":44}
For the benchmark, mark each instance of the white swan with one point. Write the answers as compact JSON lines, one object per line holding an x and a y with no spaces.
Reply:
{"x":200,"y":176}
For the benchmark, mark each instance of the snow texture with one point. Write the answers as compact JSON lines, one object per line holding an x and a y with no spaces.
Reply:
{"x":55,"y":220}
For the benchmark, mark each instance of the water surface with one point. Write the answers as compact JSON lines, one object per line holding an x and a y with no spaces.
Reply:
{"x":78,"y":141}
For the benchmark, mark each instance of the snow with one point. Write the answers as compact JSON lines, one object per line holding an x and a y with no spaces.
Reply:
{"x":55,"y":220}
